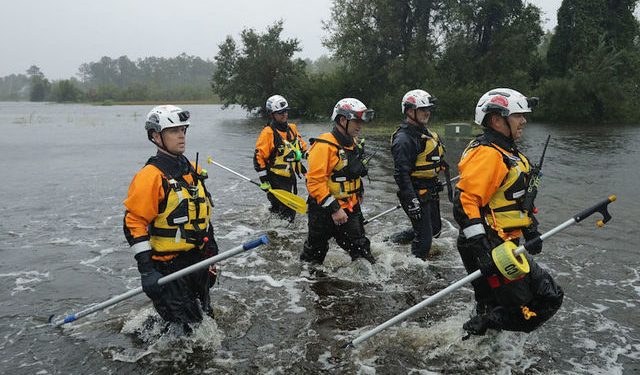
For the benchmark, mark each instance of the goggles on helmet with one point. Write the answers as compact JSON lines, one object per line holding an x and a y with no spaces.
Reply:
{"x":366,"y":115}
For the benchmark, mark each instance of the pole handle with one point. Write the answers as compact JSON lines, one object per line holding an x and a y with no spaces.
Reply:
{"x":263,"y":240}
{"x":601,"y":207}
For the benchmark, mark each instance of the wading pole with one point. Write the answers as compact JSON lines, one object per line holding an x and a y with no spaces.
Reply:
{"x":200,"y":265}
{"x":381,"y":214}
{"x":294,"y":202}
{"x":600,"y":207}
{"x":396,"y":207}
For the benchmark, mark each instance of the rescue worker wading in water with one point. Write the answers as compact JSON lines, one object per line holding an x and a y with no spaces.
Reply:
{"x":167,"y":221}
{"x":488,"y":208}
{"x":278,"y":155}
{"x":334,"y":181}
{"x":418,"y":157}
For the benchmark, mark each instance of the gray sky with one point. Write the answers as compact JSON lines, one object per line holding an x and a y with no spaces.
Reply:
{"x":59,"y":35}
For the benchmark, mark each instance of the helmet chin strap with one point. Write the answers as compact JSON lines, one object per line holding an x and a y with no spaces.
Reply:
{"x":162,"y":147}
{"x":506,"y":123}
{"x":346,"y":127}
{"x":415,"y":118}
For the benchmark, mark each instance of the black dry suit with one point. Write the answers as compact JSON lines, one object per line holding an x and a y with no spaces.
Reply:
{"x":184,"y":300}
{"x":350,"y":236}
{"x":418,"y":179}
{"x":520,"y":305}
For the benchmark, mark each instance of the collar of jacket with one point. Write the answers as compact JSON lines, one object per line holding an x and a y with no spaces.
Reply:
{"x":500,"y":139}
{"x":416,"y":130}
{"x":344,"y":140}
{"x":176,"y":166}
{"x":282,"y":126}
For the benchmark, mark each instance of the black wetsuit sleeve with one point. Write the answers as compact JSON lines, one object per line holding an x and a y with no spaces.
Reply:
{"x":404,"y":152}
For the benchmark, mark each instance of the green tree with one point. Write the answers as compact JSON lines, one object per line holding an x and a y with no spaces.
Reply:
{"x":65,"y":91}
{"x":594,"y":92}
{"x":14,"y":87}
{"x":263,"y":66}
{"x":581,"y":23}
{"x":490,"y":42}
{"x":40,"y":86}
{"x":383,"y":44}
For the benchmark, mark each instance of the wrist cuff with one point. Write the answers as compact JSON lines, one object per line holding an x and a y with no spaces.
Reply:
{"x":141,"y":247}
{"x":473,"y":230}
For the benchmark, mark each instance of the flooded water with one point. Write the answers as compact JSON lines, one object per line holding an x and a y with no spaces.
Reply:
{"x":66,"y":171}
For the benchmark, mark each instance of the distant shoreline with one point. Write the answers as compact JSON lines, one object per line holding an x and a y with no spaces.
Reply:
{"x":153,"y":102}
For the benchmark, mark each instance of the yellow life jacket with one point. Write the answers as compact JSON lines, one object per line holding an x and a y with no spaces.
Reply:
{"x":429,"y":161}
{"x":184,"y":216}
{"x":285,"y":152}
{"x":345,"y":179}
{"x":504,"y":213}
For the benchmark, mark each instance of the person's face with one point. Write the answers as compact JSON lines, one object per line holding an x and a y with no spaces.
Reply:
{"x":422,"y":115}
{"x":173,"y":139}
{"x":516,"y":123}
{"x":355,"y":127}
{"x":281,"y":116}
{"x":511,"y":126}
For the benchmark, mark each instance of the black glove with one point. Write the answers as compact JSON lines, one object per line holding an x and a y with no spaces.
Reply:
{"x":534,"y":243}
{"x":477,"y":325}
{"x":414,"y":211}
{"x":149,"y":275}
{"x":482,"y":250}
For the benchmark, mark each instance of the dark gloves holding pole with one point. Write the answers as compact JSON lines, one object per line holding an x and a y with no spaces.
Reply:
{"x":413,"y":209}
{"x":482,"y":249}
{"x":534,"y":243}
{"x":149,"y":275}
{"x":411,"y":205}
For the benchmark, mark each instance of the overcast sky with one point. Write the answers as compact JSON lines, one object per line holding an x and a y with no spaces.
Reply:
{"x":59,"y":35}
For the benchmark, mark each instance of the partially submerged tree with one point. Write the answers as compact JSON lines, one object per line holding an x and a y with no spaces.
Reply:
{"x":262,"y":66}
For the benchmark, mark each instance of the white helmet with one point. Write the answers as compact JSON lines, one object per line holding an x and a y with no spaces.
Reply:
{"x":352,"y":109}
{"x":504,"y":101}
{"x":417,"y":99}
{"x":165,"y":116}
{"x":276,"y":103}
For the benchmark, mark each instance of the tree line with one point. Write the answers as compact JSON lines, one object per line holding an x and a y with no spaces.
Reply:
{"x":587,"y":70}
{"x":119,"y":79}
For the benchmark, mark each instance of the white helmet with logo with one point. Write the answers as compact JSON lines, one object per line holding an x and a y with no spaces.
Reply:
{"x":505,"y":101}
{"x":417,"y":99}
{"x":352,"y":109}
{"x":276,"y":103}
{"x":165,"y":116}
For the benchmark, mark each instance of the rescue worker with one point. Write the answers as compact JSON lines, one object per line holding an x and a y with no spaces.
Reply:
{"x":167,"y":221}
{"x":418,"y":156}
{"x":278,"y":155}
{"x":493,"y":180}
{"x":336,"y":166}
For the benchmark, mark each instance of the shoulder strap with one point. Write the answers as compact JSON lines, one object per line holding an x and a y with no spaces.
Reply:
{"x":320,"y":140}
